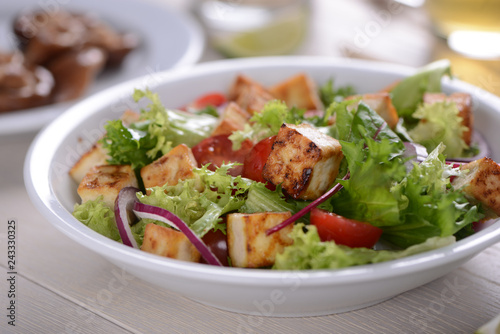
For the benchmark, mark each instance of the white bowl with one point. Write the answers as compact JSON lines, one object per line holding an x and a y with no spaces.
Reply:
{"x":250,"y":291}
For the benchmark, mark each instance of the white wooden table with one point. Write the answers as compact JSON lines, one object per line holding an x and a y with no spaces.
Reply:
{"x":61,"y":287}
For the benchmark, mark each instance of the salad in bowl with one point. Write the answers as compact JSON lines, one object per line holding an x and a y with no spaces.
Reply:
{"x":298,"y":175}
{"x":334,"y":184}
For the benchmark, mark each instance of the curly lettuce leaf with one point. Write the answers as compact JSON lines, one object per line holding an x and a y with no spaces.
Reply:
{"x":266,"y":123}
{"x":309,"y":252}
{"x":97,"y":216}
{"x":329,"y":94}
{"x":155,"y":134}
{"x":201,"y":209}
{"x":261,"y":199}
{"x":408,"y":94}
{"x":440,"y":123}
{"x":127,"y":146}
{"x":100,"y":218}
{"x":372,"y":149}
{"x":410,"y":208}
{"x":429,"y":206}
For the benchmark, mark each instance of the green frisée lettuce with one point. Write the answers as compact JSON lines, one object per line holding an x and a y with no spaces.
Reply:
{"x":440,"y":123}
{"x":408,"y":94}
{"x":364,"y":196}
{"x":220,"y":193}
{"x":328,"y":93}
{"x":100,"y":218}
{"x":266,"y":123}
{"x":261,"y":199}
{"x":201,"y":210}
{"x":155,"y":134}
{"x":428,"y":205}
{"x":409,"y":207}
{"x":309,"y":252}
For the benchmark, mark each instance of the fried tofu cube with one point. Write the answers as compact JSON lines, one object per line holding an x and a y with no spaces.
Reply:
{"x":298,"y":91}
{"x":381,"y":103}
{"x":165,"y":241}
{"x":249,"y":94}
{"x":390,"y":87}
{"x":97,"y":155}
{"x":304,"y":160}
{"x":464,"y":105}
{"x":248,"y":244}
{"x":178,"y":164}
{"x":233,"y":118}
{"x":106,"y":180}
{"x":129,"y":117}
{"x":481,"y":182}
{"x":93,"y":157}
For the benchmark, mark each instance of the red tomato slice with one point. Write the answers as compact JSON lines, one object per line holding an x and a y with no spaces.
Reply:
{"x":344,"y":231}
{"x":217,"y":150}
{"x":211,"y":99}
{"x":217,"y":243}
{"x":256,"y":159}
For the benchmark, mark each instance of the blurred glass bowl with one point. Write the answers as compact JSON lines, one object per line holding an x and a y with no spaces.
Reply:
{"x":249,"y":28}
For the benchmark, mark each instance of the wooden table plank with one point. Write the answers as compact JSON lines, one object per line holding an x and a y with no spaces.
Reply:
{"x":39,"y":310}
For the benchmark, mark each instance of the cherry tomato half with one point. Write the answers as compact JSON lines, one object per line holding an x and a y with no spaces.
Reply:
{"x":256,"y":159}
{"x":217,"y":243}
{"x":217,"y":150}
{"x":344,"y":231}
{"x":211,"y":99}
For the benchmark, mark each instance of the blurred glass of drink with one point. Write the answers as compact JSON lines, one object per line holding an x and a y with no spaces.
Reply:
{"x":472,"y":27}
{"x":246,"y":28}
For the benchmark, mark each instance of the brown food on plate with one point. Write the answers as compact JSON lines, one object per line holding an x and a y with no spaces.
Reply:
{"x":44,"y":35}
{"x":23,"y":86}
{"x":60,"y":54}
{"x":74,"y":71}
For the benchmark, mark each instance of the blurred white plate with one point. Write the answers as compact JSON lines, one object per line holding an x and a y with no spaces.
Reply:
{"x":168,"y":39}
{"x":251,"y":291}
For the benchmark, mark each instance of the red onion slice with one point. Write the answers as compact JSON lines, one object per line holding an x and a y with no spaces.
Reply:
{"x":142,"y":210}
{"x":308,"y":208}
{"x":123,"y":208}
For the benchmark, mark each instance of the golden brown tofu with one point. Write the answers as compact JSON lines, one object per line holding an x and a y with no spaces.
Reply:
{"x":233,"y":118}
{"x":165,"y":241}
{"x":298,"y":91}
{"x":248,"y":244}
{"x":249,"y":94}
{"x":381,"y":103}
{"x":129,"y":117}
{"x":96,"y":155}
{"x":178,"y":164}
{"x":93,"y":157}
{"x":304,"y":160}
{"x":464,"y":105}
{"x":390,"y":87}
{"x":106,"y":180}
{"x":481,"y":182}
